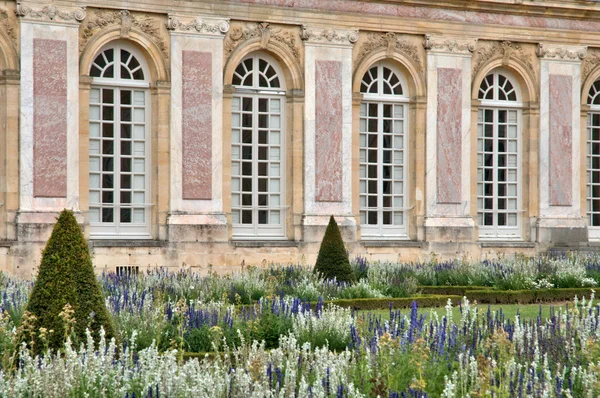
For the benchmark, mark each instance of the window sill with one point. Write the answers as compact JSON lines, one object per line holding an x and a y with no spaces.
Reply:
{"x":506,"y":244}
{"x":265,"y":243}
{"x":392,"y":243}
{"x":127,"y":243}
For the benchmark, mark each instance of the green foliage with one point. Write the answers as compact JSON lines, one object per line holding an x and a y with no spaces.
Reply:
{"x":332,"y":261}
{"x":66,"y":276}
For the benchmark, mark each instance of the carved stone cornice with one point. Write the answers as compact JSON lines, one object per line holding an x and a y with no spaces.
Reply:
{"x":590,"y":63}
{"x":449,"y":45}
{"x":392,"y":42}
{"x":146,"y":24}
{"x":50,"y":13}
{"x":263,"y":31}
{"x":563,"y":53}
{"x":8,"y":27}
{"x":505,"y":50}
{"x":314,"y":35}
{"x":199,"y":25}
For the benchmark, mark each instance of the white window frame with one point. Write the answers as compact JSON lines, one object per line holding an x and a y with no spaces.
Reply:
{"x":118,"y":230}
{"x":495,"y":231}
{"x":594,"y":110}
{"x":255,"y":230}
{"x":381,"y":231}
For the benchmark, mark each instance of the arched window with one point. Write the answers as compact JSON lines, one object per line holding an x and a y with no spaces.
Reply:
{"x":593,"y":161}
{"x":119,"y":157}
{"x":498,"y":157}
{"x":258,"y":149}
{"x":383,"y":157}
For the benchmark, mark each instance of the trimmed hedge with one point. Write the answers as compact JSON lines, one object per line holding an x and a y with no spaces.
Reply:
{"x":450,"y":290}
{"x":406,"y":302}
{"x":332,"y":260}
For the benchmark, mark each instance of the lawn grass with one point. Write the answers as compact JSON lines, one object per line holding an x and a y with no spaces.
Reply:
{"x":526,"y":312}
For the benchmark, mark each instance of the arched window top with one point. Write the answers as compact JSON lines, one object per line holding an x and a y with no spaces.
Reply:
{"x":382,"y":79}
{"x":119,"y":62}
{"x":498,"y":86}
{"x":258,"y":71}
{"x":594,"y":94}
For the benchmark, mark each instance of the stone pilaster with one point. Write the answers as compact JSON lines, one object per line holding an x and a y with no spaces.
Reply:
{"x":560,"y":217}
{"x":49,"y":122}
{"x":196,"y":197}
{"x":447,"y":169}
{"x":328,"y":131}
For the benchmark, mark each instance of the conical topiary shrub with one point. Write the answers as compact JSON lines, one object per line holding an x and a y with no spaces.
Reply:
{"x":332,"y":261}
{"x":66,"y":276}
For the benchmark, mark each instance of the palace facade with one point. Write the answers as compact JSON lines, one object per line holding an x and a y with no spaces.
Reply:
{"x":226,"y":132}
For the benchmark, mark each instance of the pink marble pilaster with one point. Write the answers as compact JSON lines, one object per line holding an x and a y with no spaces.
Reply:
{"x":49,"y":118}
{"x":196,"y":125}
{"x":449,"y":135}
{"x":328,"y":130}
{"x":561,"y":140}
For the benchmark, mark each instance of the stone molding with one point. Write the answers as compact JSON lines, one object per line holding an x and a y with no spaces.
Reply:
{"x":200,"y":25}
{"x":449,"y":45}
{"x":147,"y":24}
{"x":50,"y":13}
{"x":8,"y":27}
{"x":590,"y":63}
{"x":506,"y":50}
{"x":324,"y":36}
{"x":264,"y":31}
{"x":559,"y":52}
{"x":392,"y":42}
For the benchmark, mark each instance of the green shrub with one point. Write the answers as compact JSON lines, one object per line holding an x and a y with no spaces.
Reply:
{"x":332,"y":261}
{"x":66,"y":276}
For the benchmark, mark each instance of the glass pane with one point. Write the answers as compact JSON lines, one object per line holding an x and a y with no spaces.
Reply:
{"x":138,"y":216}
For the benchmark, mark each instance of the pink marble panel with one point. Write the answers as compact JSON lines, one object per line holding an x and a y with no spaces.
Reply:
{"x":408,"y":11}
{"x":328,"y":130}
{"x":196,"y":126}
{"x":561,"y":144}
{"x":449,"y":135}
{"x":49,"y":118}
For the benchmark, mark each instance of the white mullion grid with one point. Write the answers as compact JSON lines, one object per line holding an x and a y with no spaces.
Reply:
{"x":593,"y":173}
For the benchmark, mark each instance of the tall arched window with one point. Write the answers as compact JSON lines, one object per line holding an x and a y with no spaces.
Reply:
{"x":119,"y":179}
{"x":258,"y":149}
{"x":383,"y":142}
{"x":498,"y":157}
{"x":593,"y":161}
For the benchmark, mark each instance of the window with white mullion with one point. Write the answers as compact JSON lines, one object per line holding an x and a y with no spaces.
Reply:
{"x":593,"y":161}
{"x":382,"y":170}
{"x":118,"y":148}
{"x":257,"y":145}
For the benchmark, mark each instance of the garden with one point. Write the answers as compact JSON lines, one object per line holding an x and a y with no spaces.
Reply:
{"x":434,"y":329}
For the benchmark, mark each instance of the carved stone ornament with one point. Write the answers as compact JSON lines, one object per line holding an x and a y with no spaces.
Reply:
{"x":328,"y":36}
{"x":570,"y":53}
{"x":504,"y":49}
{"x":148,"y":25}
{"x":263,"y":31}
{"x":50,"y":13}
{"x":7,"y":27}
{"x":392,"y":42}
{"x":449,"y":44}
{"x":590,"y":63}
{"x":211,"y":26}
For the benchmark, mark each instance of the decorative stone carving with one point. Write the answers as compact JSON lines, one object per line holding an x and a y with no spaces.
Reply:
{"x":8,"y":27}
{"x":199,"y":25}
{"x":449,"y":44}
{"x":328,"y":36}
{"x":504,"y":49}
{"x":265,"y":32}
{"x":589,"y":64}
{"x":50,"y":12}
{"x":392,"y":42}
{"x":571,"y":53}
{"x":148,"y":25}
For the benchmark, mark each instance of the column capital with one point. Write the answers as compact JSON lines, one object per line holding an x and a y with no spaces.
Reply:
{"x":559,"y":52}
{"x":449,"y":45}
{"x":328,"y":37}
{"x":50,"y":13}
{"x":199,"y":25}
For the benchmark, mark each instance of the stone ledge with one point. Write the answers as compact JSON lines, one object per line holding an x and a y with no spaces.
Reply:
{"x":8,"y":243}
{"x":392,"y":243}
{"x":507,"y":245}
{"x":265,"y":243}
{"x":127,"y":243}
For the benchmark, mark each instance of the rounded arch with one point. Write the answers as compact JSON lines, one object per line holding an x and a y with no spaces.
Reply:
{"x":8,"y":54}
{"x":157,"y":64}
{"x":586,"y":84}
{"x":410,"y":69}
{"x":519,"y":72}
{"x":290,"y":66}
